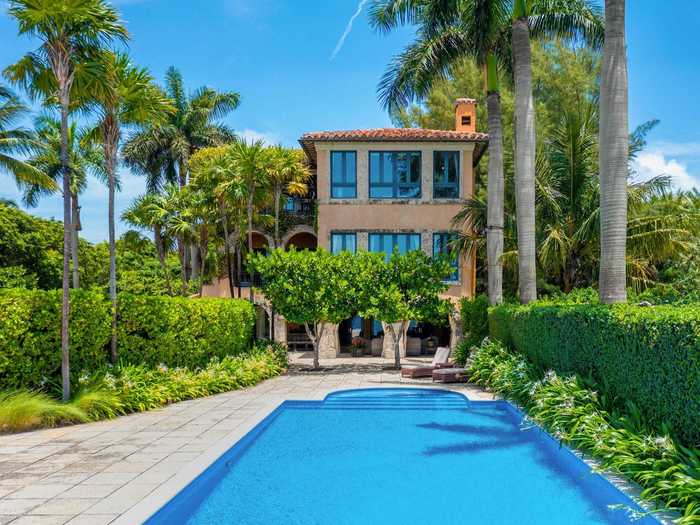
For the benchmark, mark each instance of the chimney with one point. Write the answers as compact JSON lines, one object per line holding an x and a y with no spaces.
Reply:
{"x":465,"y":115}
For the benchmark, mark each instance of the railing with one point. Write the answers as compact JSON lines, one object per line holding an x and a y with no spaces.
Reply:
{"x":298,"y":206}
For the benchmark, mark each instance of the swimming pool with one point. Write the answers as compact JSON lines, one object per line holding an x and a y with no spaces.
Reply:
{"x":398,"y":456}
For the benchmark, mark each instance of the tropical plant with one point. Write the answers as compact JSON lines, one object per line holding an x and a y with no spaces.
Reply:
{"x":613,"y":156}
{"x":403,"y":288}
{"x":311,"y":288}
{"x":16,"y":142}
{"x":123,"y":95}
{"x":84,"y":160}
{"x":288,"y":174}
{"x":69,"y":32}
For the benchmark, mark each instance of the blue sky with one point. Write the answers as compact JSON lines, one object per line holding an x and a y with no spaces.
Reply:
{"x":294,"y":75}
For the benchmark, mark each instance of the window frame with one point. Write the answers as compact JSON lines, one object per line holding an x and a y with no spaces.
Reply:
{"x":448,"y":235}
{"x":444,"y":184}
{"x":395,"y":185}
{"x":344,"y":175}
{"x":345,"y":235}
{"x":394,"y":240}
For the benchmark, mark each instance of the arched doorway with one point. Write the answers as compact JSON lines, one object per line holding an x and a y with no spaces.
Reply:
{"x":302,"y":238}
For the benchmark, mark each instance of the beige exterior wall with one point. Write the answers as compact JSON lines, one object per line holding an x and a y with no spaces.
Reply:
{"x":364,"y":215}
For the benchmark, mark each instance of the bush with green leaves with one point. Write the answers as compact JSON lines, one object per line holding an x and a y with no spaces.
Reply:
{"x":108,"y":393}
{"x":30,"y":335}
{"x":649,"y":356}
{"x":668,"y":472}
{"x":178,"y":331}
{"x":475,"y":319}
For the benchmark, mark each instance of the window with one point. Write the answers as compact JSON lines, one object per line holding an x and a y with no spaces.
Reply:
{"x":446,"y":175}
{"x":343,"y":175}
{"x":343,"y":242}
{"x":394,"y":175}
{"x":385,"y":242}
{"x":466,"y":120}
{"x":442,"y":248}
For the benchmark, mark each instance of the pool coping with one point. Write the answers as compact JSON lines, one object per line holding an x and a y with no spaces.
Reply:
{"x":154,"y":502}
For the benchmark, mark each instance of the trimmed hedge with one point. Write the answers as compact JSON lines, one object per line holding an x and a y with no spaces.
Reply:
{"x":649,"y":356}
{"x":177,"y":331}
{"x":152,"y":330}
{"x":30,"y":335}
{"x":475,"y":323}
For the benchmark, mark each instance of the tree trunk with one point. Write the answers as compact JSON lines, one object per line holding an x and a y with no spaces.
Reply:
{"x":182,"y":247}
{"x":238,"y":270}
{"x":75,"y":222}
{"x":183,"y":266}
{"x":277,"y":197}
{"x":227,"y":249}
{"x":524,"y":161}
{"x":67,"y":227}
{"x":494,"y":231}
{"x":110,"y":141}
{"x":250,"y":239}
{"x":315,"y":339}
{"x":613,"y":157}
{"x":194,"y":261}
{"x":160,"y":251}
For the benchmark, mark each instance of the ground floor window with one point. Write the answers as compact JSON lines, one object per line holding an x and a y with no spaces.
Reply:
{"x":442,"y":247}
{"x":343,"y":241}
{"x":385,"y":242}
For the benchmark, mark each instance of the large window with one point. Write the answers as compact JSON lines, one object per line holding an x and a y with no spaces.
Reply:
{"x":446,"y":175}
{"x":394,"y":175}
{"x":343,"y":242}
{"x":343,"y":175}
{"x":385,"y":242}
{"x":442,"y":247}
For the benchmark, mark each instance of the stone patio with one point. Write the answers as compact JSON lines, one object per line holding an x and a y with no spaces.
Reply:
{"x":121,"y":471}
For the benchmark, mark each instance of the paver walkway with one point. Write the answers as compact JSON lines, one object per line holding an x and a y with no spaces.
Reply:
{"x":119,"y":471}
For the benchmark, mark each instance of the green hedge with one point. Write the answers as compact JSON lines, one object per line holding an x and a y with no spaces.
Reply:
{"x":30,"y":335}
{"x":176,"y":331}
{"x":649,"y":356}
{"x":152,"y":330}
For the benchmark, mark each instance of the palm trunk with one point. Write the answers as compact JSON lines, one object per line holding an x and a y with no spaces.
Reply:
{"x":277,"y":197}
{"x":183,"y":266}
{"x":613,"y":157}
{"x":183,"y":248}
{"x":75,"y":222}
{"x":65,"y":307}
{"x":494,"y":231}
{"x":111,"y":140}
{"x":250,"y":239}
{"x":227,"y":249}
{"x":194,"y":262}
{"x":524,"y":161}
{"x":238,"y":270}
{"x":160,"y":251}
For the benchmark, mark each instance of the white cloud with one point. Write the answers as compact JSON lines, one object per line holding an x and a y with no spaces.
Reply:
{"x":348,"y":28}
{"x":653,"y":163}
{"x":250,"y":135}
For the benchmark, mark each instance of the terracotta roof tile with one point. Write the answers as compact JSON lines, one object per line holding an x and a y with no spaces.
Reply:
{"x":391,"y":134}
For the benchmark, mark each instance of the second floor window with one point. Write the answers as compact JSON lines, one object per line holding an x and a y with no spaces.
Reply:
{"x":385,"y":242}
{"x":442,"y":247}
{"x":394,"y":175}
{"x":446,"y":175}
{"x":343,"y":242}
{"x":343,"y":175}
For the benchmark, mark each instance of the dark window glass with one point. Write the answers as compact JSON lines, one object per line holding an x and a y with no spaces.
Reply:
{"x":394,"y":175}
{"x":385,"y":242}
{"x":343,"y":242}
{"x":446,"y":175}
{"x":443,"y":248}
{"x":343,"y":175}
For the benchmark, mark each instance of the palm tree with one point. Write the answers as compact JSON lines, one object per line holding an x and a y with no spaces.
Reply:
{"x":123,"y":95}
{"x":613,"y":156}
{"x":250,"y":160}
{"x":287,"y":173}
{"x":69,"y":31}
{"x":84,"y":159}
{"x":149,"y":211}
{"x":16,"y":142}
{"x":449,"y":30}
{"x":194,"y":125}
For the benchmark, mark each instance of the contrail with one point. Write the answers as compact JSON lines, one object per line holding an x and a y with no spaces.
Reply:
{"x":348,"y":28}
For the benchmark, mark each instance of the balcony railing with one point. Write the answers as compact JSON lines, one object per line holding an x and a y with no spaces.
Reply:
{"x":298,"y":206}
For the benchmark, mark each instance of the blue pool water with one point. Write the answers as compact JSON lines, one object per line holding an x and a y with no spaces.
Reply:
{"x":398,"y":456}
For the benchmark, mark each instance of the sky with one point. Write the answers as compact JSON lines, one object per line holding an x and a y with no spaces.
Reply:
{"x":309,"y":65}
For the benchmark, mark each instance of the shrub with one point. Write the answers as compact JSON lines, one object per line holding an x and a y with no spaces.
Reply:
{"x":177,"y":331}
{"x":668,"y":472}
{"x":22,"y":410}
{"x":30,"y":335}
{"x":649,"y":356}
{"x":475,"y":323}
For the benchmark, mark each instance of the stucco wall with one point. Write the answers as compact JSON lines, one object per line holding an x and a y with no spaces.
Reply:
{"x":425,"y":215}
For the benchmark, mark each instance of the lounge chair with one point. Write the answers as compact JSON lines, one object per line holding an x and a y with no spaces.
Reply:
{"x":440,"y":360}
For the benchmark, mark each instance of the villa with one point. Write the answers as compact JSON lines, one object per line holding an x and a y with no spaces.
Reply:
{"x":376,"y":189}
